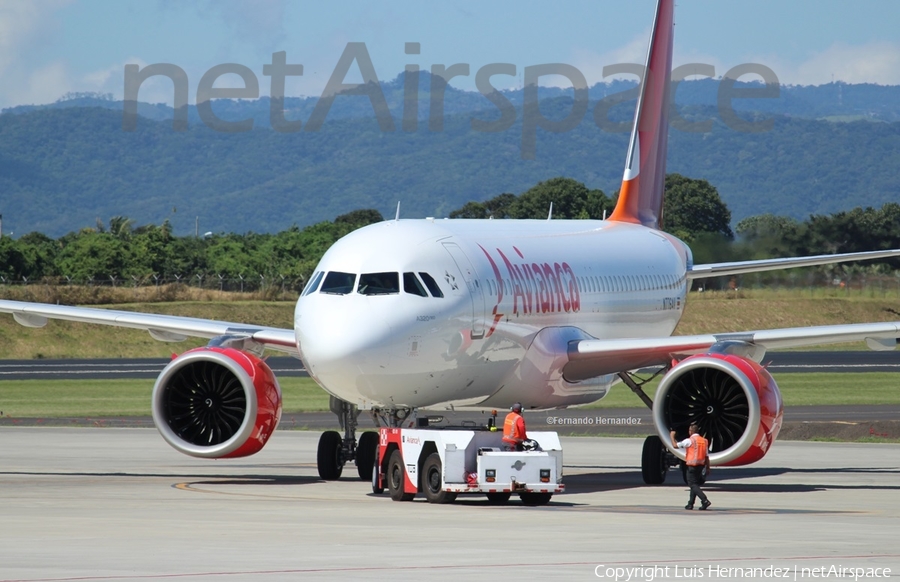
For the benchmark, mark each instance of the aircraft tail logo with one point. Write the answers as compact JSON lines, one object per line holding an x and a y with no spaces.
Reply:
{"x":641,"y":196}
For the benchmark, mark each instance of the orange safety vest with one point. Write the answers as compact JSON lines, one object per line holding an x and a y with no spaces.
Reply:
{"x":513,"y":429}
{"x":695,"y":454}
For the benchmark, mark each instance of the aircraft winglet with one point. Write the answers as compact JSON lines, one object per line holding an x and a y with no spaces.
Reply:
{"x":641,"y":196}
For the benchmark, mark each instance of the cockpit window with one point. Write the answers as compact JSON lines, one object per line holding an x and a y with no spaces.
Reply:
{"x":337,"y":283}
{"x":412,"y":285}
{"x":313,"y":283}
{"x":431,"y":284}
{"x":379,"y":283}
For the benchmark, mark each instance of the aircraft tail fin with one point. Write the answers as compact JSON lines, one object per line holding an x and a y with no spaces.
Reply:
{"x":641,"y":196}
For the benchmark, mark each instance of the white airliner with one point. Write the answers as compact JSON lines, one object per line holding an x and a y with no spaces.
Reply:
{"x":437,"y":314}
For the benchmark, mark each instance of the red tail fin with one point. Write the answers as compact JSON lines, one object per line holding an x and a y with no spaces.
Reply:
{"x":641,"y":196}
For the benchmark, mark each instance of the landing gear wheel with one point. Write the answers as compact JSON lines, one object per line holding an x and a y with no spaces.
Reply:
{"x":376,"y":488}
{"x":499,"y":497}
{"x":653,"y":461}
{"x":433,"y":481}
{"x":366,"y":452}
{"x":533,"y":499}
{"x":396,"y":477}
{"x":329,"y":459}
{"x":701,"y":479}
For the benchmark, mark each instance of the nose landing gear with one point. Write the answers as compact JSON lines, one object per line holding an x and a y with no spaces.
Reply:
{"x":335,"y":451}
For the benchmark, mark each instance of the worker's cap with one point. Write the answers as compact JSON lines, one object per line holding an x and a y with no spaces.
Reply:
{"x":517,"y":407}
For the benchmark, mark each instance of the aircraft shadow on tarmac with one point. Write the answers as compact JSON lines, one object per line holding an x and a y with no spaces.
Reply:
{"x":727,"y":479}
{"x":597,"y":479}
{"x":255,"y":480}
{"x":206,"y":479}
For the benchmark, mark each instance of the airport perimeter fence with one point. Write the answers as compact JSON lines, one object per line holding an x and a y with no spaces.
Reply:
{"x":861,"y":284}
{"x":155,"y":288}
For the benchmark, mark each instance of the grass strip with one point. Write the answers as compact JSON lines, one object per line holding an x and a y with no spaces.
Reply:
{"x":803,"y":389}
{"x":76,"y":398}
{"x":88,"y":398}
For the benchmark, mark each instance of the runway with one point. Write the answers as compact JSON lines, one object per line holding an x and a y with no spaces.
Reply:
{"x":113,"y":368}
{"x":119,"y":504}
{"x":777,"y":362}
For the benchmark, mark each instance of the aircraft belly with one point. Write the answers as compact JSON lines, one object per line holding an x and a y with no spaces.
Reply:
{"x":429,"y":371}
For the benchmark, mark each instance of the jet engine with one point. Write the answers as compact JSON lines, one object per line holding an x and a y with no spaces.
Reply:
{"x":734,"y":401}
{"x":216,"y":402}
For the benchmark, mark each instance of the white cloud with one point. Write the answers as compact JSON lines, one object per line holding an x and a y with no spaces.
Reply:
{"x":24,"y":26}
{"x":51,"y":79}
{"x":156,"y":89}
{"x":43,"y":84}
{"x":103,"y":80}
{"x":260,"y":23}
{"x":875,"y":62}
{"x":591,"y":63}
{"x":20,"y":22}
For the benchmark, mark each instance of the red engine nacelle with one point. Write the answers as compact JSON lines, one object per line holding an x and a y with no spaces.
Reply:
{"x":216,"y":403}
{"x":735,"y":401}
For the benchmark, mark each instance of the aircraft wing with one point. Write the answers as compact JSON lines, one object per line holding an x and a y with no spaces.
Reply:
{"x":169,"y":328}
{"x":590,"y":358}
{"x":739,"y":267}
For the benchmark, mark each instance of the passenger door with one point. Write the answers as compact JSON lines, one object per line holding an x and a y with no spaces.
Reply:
{"x":476,"y":293}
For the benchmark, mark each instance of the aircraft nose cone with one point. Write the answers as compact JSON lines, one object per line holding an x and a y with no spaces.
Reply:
{"x":339,"y":336}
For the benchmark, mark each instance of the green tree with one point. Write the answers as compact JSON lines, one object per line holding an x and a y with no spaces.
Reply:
{"x":12,"y":262}
{"x":767,"y":235}
{"x":471,"y":210}
{"x":120,"y":227}
{"x":227,"y":256}
{"x":39,"y":252}
{"x":570,"y":199}
{"x":149,"y":247}
{"x":498,"y":206}
{"x":186,"y":256}
{"x":94,"y":256}
{"x":359,"y":218}
{"x":692,"y":207}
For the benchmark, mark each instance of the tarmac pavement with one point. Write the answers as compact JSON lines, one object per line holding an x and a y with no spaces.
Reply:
{"x":119,"y":504}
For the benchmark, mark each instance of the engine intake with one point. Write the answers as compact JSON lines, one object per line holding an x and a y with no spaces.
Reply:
{"x":216,"y":402}
{"x":734,"y":401}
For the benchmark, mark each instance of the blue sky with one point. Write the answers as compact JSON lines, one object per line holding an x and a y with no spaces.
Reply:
{"x":50,"y":47}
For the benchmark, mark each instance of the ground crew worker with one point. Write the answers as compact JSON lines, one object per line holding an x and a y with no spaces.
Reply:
{"x":514,"y":429}
{"x":696,"y":458}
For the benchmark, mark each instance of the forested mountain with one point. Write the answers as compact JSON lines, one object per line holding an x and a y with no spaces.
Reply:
{"x":63,"y":167}
{"x":835,"y":101}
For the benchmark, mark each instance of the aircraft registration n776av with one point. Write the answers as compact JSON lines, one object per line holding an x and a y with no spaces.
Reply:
{"x":406,"y":315}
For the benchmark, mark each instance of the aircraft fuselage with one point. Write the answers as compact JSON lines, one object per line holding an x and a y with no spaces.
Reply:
{"x":373,"y":330}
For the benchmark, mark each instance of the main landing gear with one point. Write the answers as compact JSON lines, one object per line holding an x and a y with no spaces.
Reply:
{"x":655,"y":457}
{"x":335,"y":451}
